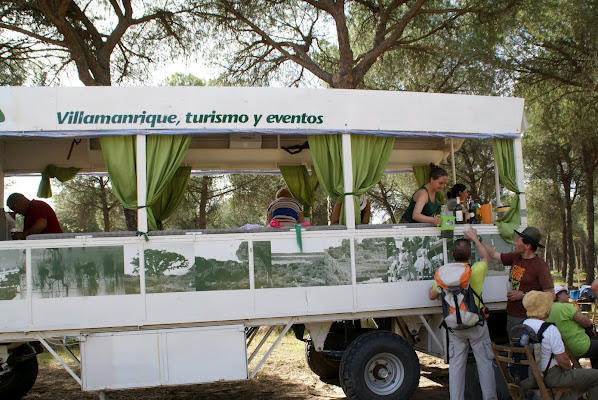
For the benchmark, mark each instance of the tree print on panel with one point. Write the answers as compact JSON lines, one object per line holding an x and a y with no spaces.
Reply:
{"x":12,"y":274}
{"x":323,"y":262}
{"x":161,"y":267}
{"x":81,"y":271}
{"x":222,"y":267}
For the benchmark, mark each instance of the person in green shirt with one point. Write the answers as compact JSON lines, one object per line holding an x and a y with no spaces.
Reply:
{"x":573,"y":326}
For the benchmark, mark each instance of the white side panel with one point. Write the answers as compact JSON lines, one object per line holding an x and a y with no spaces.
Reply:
{"x":388,"y":296}
{"x":495,"y":288}
{"x":181,"y":307}
{"x":14,"y":315}
{"x":206,"y":354}
{"x":87,"y":312}
{"x":163,"y":357}
{"x":329,"y":299}
{"x":414,"y":294}
{"x":120,"y":360}
{"x":280,"y":302}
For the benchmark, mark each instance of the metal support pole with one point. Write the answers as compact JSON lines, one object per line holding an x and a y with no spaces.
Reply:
{"x":57,"y":357}
{"x":3,"y":228}
{"x":496,"y":180}
{"x":260,"y":344}
{"x":141,"y":183}
{"x":453,"y":162}
{"x":348,"y":181}
{"x":430,"y":331}
{"x":73,"y":357}
{"x":265,"y":357}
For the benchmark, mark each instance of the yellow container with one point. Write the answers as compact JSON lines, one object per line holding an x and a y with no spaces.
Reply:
{"x":486,"y":213}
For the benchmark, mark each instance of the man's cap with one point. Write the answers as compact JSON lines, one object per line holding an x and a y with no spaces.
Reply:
{"x":537,"y":304}
{"x":559,"y":288}
{"x":532,"y":235}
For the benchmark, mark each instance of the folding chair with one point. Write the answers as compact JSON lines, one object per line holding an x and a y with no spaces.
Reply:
{"x":591,"y":314}
{"x":504,"y":356}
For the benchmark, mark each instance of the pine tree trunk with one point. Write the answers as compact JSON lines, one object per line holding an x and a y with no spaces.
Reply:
{"x":131,"y":219}
{"x":386,"y":203}
{"x":570,"y":246}
{"x":564,"y":244}
{"x":589,"y":163}
{"x":547,"y":252}
{"x":105,"y":206}
{"x":203,"y":202}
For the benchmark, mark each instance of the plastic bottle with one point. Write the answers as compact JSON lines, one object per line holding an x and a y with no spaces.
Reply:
{"x":459,"y":212}
{"x":524,"y":340}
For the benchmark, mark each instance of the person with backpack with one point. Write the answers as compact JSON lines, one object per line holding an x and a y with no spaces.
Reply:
{"x":459,"y":287}
{"x":554,"y":361}
{"x":528,"y":272}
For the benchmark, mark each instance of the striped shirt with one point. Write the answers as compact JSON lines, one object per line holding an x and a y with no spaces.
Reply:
{"x":284,"y":209}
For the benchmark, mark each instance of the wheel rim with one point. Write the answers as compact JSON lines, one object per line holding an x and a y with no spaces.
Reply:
{"x":384,"y":373}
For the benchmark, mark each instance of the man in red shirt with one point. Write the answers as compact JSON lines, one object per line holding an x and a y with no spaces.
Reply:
{"x":528,"y":272}
{"x":39,"y":216}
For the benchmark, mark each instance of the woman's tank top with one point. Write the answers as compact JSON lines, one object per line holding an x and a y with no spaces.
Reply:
{"x":430,"y":208}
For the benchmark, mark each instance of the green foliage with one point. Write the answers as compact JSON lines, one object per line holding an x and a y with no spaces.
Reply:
{"x":180,"y":79}
{"x":392,"y":195}
{"x":249,"y":198}
{"x":86,"y":204}
{"x":100,"y":38}
{"x":475,"y":169}
{"x":339,"y":42}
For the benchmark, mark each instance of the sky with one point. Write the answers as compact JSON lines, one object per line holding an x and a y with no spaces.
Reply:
{"x":27,"y":185}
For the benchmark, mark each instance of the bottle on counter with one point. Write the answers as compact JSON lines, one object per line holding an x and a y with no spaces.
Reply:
{"x":471,"y":218}
{"x":459,"y":212}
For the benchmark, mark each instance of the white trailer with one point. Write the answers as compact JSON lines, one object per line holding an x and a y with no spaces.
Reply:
{"x":140,"y":327}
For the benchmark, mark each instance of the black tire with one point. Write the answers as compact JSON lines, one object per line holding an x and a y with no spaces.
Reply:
{"x":473,"y":391}
{"x":16,"y":383}
{"x":379,"y":365}
{"x":326,"y":368}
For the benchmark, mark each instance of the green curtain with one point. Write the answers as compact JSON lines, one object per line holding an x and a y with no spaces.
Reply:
{"x":52,"y":171}
{"x":170,"y":198}
{"x":505,"y":160}
{"x":119,"y":157}
{"x":327,"y":158}
{"x":301,"y":184}
{"x":370,"y":155}
{"x":164,"y":156}
{"x":422,"y":176}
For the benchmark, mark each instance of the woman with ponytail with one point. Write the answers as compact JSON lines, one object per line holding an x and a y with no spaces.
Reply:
{"x":423,"y":206}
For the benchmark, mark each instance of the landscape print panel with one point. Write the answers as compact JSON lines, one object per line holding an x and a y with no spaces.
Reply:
{"x":221,"y":265}
{"x":81,"y":271}
{"x":12,"y":274}
{"x":397,"y":259}
{"x":495,"y":267}
{"x":323,"y":262}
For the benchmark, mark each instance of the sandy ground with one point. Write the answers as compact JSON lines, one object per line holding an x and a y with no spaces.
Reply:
{"x":284,"y":376}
